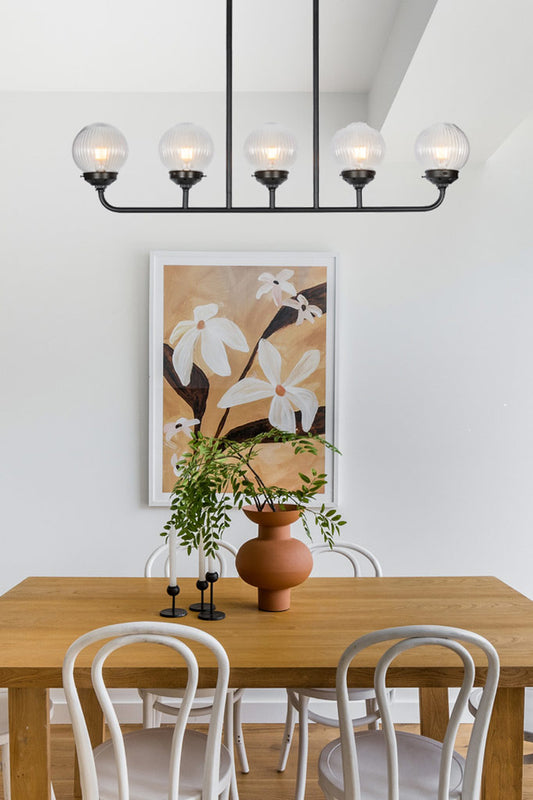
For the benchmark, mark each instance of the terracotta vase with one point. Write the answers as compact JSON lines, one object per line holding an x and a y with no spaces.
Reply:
{"x":274,"y":561}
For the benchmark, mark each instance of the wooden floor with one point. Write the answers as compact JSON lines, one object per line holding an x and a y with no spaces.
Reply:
{"x":262,"y":744}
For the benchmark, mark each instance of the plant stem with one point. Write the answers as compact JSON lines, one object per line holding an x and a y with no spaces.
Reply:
{"x":258,"y":478}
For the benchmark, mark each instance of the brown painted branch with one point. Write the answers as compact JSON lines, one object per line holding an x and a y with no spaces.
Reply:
{"x":249,"y":429}
{"x":196,"y":392}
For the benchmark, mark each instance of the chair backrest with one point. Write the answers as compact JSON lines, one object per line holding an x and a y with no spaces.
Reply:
{"x":351,"y":552}
{"x":171,"y":635}
{"x":407,"y":638}
{"x":161,"y":554}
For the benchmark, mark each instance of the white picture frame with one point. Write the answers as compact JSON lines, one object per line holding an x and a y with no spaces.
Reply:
{"x":183,"y":282}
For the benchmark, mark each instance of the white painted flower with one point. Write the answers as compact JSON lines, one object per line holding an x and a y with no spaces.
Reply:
{"x":213,"y":332}
{"x":305,"y":311}
{"x":180,"y":425}
{"x":176,"y":464}
{"x":285,"y":395}
{"x":276,"y":284}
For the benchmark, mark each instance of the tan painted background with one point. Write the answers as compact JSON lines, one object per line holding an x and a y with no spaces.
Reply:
{"x":234,"y":288}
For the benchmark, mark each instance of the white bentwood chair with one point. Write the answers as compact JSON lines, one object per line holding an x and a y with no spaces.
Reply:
{"x":386,"y":765}
{"x":473,"y":704}
{"x":298,"y":699}
{"x":167,"y":701}
{"x":4,"y":745}
{"x":170,"y":763}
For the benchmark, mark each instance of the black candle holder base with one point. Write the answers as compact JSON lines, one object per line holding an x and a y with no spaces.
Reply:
{"x":201,"y":607}
{"x":211,"y":614}
{"x":173,"y":591}
{"x":173,"y":612}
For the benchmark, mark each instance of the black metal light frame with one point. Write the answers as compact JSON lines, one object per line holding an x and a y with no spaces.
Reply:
{"x":358,"y":178}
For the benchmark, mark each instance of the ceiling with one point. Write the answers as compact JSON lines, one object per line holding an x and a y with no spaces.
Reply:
{"x":179,"y":45}
{"x":416,"y":61}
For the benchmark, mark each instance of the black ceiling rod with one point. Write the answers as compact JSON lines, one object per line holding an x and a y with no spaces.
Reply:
{"x":316,"y":105}
{"x":229,"y":102}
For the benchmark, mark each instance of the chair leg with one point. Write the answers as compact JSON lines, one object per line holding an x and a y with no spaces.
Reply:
{"x":303,"y":747}
{"x":225,"y":794}
{"x":6,"y":775}
{"x":371,"y":708}
{"x":148,"y":710}
{"x":290,"y":721}
{"x":228,"y":741}
{"x":238,"y":736}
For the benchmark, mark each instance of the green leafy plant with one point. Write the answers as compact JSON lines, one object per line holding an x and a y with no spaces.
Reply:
{"x":218,"y":474}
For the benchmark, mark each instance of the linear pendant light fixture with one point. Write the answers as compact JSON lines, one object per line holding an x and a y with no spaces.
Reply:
{"x":100,"y":150}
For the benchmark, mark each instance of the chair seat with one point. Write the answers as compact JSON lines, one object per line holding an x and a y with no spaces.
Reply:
{"x":148,"y":757}
{"x":418,"y":759}
{"x":177,"y":694}
{"x":331,"y":694}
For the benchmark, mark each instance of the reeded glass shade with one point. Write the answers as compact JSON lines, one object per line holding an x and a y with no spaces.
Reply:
{"x":270,"y":147}
{"x":186,"y":147}
{"x":99,"y":148}
{"x":442,"y":146}
{"x":358,"y":146}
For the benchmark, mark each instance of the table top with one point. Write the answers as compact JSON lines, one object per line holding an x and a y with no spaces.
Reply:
{"x":41,"y":617}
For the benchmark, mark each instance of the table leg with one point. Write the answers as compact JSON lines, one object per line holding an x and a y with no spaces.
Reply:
{"x":502,"y":769}
{"x":434,"y":711}
{"x":95,"y":725}
{"x":29,"y":743}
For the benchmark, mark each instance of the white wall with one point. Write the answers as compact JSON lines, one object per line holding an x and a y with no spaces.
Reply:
{"x":434,"y":344}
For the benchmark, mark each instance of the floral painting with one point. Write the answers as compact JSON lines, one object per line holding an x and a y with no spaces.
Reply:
{"x":241,"y":343}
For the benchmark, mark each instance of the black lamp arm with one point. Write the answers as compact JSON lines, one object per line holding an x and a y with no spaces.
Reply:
{"x":262,"y":209}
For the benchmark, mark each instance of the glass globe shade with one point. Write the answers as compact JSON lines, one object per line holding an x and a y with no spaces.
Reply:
{"x":99,"y":148}
{"x":442,"y":146}
{"x":186,"y":147}
{"x":271,"y":147}
{"x":358,"y":146}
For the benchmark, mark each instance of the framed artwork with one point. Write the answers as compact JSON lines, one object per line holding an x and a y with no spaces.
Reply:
{"x":240,"y":343}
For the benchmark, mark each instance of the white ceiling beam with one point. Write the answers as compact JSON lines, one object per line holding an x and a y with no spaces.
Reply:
{"x":409,"y":24}
{"x":474,"y":67}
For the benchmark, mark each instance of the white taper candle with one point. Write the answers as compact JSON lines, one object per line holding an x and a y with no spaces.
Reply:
{"x":201,"y":559}
{"x":172,"y":557}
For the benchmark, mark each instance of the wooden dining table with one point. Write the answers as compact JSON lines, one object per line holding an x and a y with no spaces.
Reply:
{"x":42,"y":616}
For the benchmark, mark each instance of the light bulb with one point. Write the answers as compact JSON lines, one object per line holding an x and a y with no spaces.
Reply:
{"x":442,"y":146}
{"x":101,"y":154}
{"x":442,"y":154}
{"x":358,"y":146}
{"x":360,"y":154}
{"x":99,"y":148}
{"x":271,"y":147}
{"x":186,"y":154}
{"x":273,"y":155}
{"x":186,"y":147}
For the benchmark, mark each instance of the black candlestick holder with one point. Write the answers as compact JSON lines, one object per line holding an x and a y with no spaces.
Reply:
{"x":202,"y":605}
{"x":173,"y":591}
{"x":210,"y":613}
